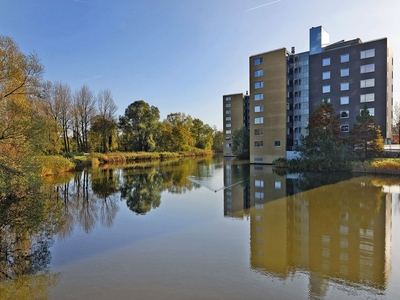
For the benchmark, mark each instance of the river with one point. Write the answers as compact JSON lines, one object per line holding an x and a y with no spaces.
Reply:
{"x":204,"y":228}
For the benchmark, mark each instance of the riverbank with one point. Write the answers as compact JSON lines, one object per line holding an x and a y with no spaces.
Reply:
{"x":390,"y":166}
{"x":57,"y":164}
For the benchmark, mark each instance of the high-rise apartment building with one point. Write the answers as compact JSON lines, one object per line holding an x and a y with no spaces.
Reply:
{"x":236,"y":115}
{"x":286,"y":87}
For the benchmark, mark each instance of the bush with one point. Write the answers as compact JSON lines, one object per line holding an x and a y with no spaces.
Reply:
{"x":55,"y":164}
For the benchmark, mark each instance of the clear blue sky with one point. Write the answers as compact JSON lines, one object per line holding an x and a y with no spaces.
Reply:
{"x":181,"y":55}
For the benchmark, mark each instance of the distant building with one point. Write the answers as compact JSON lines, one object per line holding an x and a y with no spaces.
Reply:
{"x":236,"y":115}
{"x":286,"y":87}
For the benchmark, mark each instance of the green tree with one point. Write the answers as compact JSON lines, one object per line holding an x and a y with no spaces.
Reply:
{"x":106,"y":120}
{"x":241,"y":143}
{"x":365,"y":136}
{"x":322,"y":149}
{"x":202,"y":134}
{"x":138,"y":126}
{"x":218,"y":140}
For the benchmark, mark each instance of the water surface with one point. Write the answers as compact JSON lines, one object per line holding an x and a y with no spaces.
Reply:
{"x":203,"y":229}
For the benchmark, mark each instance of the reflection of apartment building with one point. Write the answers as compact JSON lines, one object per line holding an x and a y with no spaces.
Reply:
{"x":236,"y":192}
{"x":285,"y":87}
{"x":334,"y":236}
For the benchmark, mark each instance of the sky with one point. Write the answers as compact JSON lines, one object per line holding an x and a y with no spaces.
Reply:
{"x":181,"y":55}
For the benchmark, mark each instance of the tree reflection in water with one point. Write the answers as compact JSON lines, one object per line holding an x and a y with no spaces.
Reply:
{"x":27,"y":227}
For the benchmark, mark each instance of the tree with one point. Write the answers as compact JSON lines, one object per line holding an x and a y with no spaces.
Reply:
{"x":138,"y":125}
{"x":365,"y":136}
{"x":241,"y":143}
{"x":83,"y":112}
{"x":57,"y":103}
{"x":396,"y":124}
{"x":105,"y":124}
{"x":202,"y":134}
{"x":218,"y":142}
{"x":322,"y":149}
{"x":21,"y":124}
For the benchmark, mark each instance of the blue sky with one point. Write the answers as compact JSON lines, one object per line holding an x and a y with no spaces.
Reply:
{"x":181,"y":55}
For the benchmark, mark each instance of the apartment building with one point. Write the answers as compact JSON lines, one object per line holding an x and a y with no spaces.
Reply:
{"x":236,"y":115}
{"x":286,"y":87}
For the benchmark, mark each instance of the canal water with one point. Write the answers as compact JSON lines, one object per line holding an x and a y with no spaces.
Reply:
{"x":203,"y":229}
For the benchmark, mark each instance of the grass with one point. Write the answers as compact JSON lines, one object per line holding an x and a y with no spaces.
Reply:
{"x":379,"y":166}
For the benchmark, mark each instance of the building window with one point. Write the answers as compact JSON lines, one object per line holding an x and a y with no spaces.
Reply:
{"x":344,"y":128}
{"x":328,"y":100}
{"x":228,"y":131}
{"x":228,"y":111}
{"x":367,"y":83}
{"x":344,"y":114}
{"x":277,"y":144}
{"x":258,"y":131}
{"x":326,"y":75}
{"x":227,"y":138}
{"x":367,"y":53}
{"x":326,"y":89}
{"x":344,"y":100}
{"x":258,"y":61}
{"x":259,"y":120}
{"x":344,"y":58}
{"x":228,"y":125}
{"x":258,"y":183}
{"x":258,"y":144}
{"x":344,"y":86}
{"x":227,"y":105}
{"x":367,"y":98}
{"x":228,"y":98}
{"x":228,"y":118}
{"x":278,"y":185}
{"x":258,"y":73}
{"x":259,"y":195}
{"x":326,"y":61}
{"x":367,"y":68}
{"x":371,"y":111}
{"x":228,"y":145}
{"x":258,"y":108}
{"x":344,"y":72}
{"x":258,"y":84}
{"x":258,"y":159}
{"x":259,"y":96}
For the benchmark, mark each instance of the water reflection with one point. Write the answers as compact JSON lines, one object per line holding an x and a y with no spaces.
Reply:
{"x":27,"y":229}
{"x":339,"y":233}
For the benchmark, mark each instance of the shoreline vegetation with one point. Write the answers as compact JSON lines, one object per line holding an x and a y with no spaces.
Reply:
{"x":384,"y":166}
{"x":57,"y":164}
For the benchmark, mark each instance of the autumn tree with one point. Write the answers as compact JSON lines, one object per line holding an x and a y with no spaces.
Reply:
{"x":138,"y":126}
{"x":365,"y":136}
{"x":21,"y":125}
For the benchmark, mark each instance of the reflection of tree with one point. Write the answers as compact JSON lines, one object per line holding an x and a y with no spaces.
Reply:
{"x":105,"y":185}
{"x":27,"y":227}
{"x":142,"y":190}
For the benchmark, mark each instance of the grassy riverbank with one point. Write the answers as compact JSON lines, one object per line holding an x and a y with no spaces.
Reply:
{"x":389,"y":166}
{"x":53,"y":165}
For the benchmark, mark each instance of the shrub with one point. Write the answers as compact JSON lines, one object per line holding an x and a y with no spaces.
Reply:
{"x":55,"y":164}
